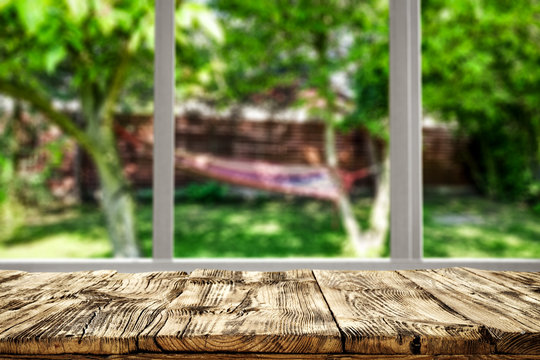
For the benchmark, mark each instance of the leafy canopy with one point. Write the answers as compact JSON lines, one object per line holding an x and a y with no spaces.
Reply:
{"x":63,"y":48}
{"x":481,"y":69}
{"x":310,"y":45}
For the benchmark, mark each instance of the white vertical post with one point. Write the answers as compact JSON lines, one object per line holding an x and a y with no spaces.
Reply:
{"x":416,"y":131}
{"x":405,"y":130}
{"x":163,"y":156}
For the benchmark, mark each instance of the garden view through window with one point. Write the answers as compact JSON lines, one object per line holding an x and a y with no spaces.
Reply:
{"x":481,"y":128}
{"x":76,"y":90}
{"x":280,"y":152}
{"x":281,"y":129}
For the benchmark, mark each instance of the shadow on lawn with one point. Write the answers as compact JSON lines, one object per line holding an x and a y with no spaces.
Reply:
{"x":63,"y":232}
{"x":85,"y":223}
{"x":472,"y":227}
{"x":453,"y":227}
{"x":276,"y":227}
{"x":258,"y":228}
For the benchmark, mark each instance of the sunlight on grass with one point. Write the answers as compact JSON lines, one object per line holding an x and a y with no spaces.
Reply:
{"x":473,"y":227}
{"x":68,"y":233}
{"x":59,"y":246}
{"x":277,"y":227}
{"x":268,"y":228}
{"x":468,"y":232}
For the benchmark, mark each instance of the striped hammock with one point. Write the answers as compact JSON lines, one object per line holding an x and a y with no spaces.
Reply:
{"x":300,"y":180}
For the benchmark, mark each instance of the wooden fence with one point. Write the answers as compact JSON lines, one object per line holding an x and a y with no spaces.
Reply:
{"x":279,"y":142}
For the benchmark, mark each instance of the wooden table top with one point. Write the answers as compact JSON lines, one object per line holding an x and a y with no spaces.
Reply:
{"x":271,"y":315}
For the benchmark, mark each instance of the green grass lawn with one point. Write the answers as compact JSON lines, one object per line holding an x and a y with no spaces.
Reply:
{"x":453,"y":227}
{"x":476,"y":227}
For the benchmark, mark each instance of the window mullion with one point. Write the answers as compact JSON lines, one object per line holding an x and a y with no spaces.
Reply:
{"x":416,"y":131}
{"x":163,"y":155}
{"x":405,"y":130}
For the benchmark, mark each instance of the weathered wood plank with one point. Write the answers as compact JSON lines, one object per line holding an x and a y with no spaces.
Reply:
{"x":251,"y":311}
{"x":34,"y":304}
{"x":7,"y":274}
{"x":381,"y":312}
{"x":526,"y":283}
{"x":260,"y":356}
{"x":111,"y":313}
{"x":96,"y":314}
{"x":86,"y":312}
{"x":125,"y":322}
{"x":511,"y":317}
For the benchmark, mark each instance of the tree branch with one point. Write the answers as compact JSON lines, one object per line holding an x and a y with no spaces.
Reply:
{"x":63,"y":121}
{"x":118,"y":77}
{"x":114,"y":87}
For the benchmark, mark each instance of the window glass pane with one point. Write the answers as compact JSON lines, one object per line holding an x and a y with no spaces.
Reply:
{"x":75,"y":129}
{"x":481,"y":128}
{"x":270,"y":95}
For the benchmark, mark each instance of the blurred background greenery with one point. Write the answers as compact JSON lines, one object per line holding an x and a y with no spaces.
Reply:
{"x":70,"y":69}
{"x":467,"y":226}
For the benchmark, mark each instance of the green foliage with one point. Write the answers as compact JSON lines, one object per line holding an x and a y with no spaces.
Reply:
{"x":209,"y":191}
{"x":57,"y":232}
{"x":85,"y":52}
{"x":269,"y":228}
{"x":279,"y":228}
{"x":473,"y":226}
{"x":303,"y":44}
{"x":198,"y":35}
{"x":17,"y":192}
{"x":10,"y":210}
{"x":481,"y":69}
{"x":6,"y":175}
{"x":65,"y":49}
{"x":371,"y":78}
{"x":58,"y":47}
{"x":19,"y":145}
{"x":7,"y":167}
{"x":32,"y":189}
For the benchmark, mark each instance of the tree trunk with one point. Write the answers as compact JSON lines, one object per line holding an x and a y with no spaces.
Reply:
{"x":77,"y":175}
{"x":116,"y":199}
{"x":346,"y":210}
{"x":379,"y":219}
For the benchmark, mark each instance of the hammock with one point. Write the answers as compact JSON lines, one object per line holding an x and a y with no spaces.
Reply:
{"x":300,"y":180}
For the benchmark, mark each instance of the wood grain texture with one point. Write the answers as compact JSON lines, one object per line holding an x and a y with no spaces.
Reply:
{"x":252,"y":311}
{"x":101,"y":312}
{"x":510,"y":314}
{"x":381,"y":312}
{"x":525,"y":283}
{"x":299,"y":314}
{"x":260,"y":356}
{"x":112,"y":313}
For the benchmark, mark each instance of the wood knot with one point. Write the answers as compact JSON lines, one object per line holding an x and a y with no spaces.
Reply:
{"x":415,"y":345}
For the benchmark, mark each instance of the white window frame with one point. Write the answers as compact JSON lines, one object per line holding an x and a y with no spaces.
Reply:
{"x":405,"y":174}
